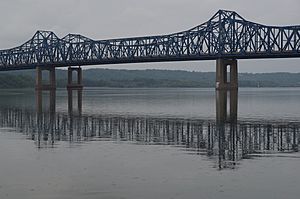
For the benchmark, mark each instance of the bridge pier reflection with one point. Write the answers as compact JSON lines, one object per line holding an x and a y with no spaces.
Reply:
{"x":70,"y":101}
{"x":45,"y":117}
{"x":51,"y":99}
{"x":226,"y":127}
{"x":225,"y":143}
{"x":225,"y":113}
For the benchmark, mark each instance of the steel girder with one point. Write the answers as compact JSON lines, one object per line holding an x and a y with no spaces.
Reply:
{"x":225,"y":35}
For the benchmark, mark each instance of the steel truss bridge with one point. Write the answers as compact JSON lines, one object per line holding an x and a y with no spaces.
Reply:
{"x":226,"y":35}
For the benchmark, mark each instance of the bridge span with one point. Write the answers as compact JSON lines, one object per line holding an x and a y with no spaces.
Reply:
{"x":226,"y":37}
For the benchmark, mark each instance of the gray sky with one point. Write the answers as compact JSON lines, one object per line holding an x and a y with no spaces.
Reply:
{"x":104,"y":19}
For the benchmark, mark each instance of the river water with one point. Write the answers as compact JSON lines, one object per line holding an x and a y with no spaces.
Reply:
{"x":150,"y":143}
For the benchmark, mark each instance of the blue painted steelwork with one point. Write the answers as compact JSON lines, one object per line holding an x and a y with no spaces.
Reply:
{"x":225,"y":35}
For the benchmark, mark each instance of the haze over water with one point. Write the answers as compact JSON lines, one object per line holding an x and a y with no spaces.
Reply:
{"x":150,"y":143}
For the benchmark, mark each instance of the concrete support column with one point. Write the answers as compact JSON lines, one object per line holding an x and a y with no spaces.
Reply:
{"x":70,"y":76}
{"x":233,"y":75}
{"x":79,"y":101}
{"x":79,"y":76}
{"x":40,"y":87}
{"x":223,"y":114}
{"x":221,"y":75}
{"x":70,"y":101}
{"x":221,"y":106}
{"x":52,"y":103}
{"x":233,"y":105}
{"x":52,"y":78}
{"x":39,"y":79}
{"x":222,"y":82}
{"x":74,"y":86}
{"x":39,"y":101}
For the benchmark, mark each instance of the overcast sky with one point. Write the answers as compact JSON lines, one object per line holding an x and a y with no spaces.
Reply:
{"x":104,"y":19}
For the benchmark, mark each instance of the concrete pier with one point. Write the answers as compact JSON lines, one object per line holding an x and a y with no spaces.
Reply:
{"x":78,"y":84}
{"x":222,"y":81}
{"x":70,"y":101}
{"x":51,"y":99}
{"x":225,"y":113}
{"x":51,"y":86}
{"x":40,"y":87}
{"x":226,"y":84}
{"x":73,"y":86}
{"x":233,"y":111}
{"x":221,"y":106}
{"x":39,"y":78}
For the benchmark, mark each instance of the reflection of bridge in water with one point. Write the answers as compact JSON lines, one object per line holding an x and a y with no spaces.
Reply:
{"x":226,"y":141}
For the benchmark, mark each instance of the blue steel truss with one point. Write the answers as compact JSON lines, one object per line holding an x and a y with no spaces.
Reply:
{"x":226,"y":35}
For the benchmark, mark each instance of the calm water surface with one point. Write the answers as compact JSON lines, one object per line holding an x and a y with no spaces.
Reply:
{"x":150,"y":143}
